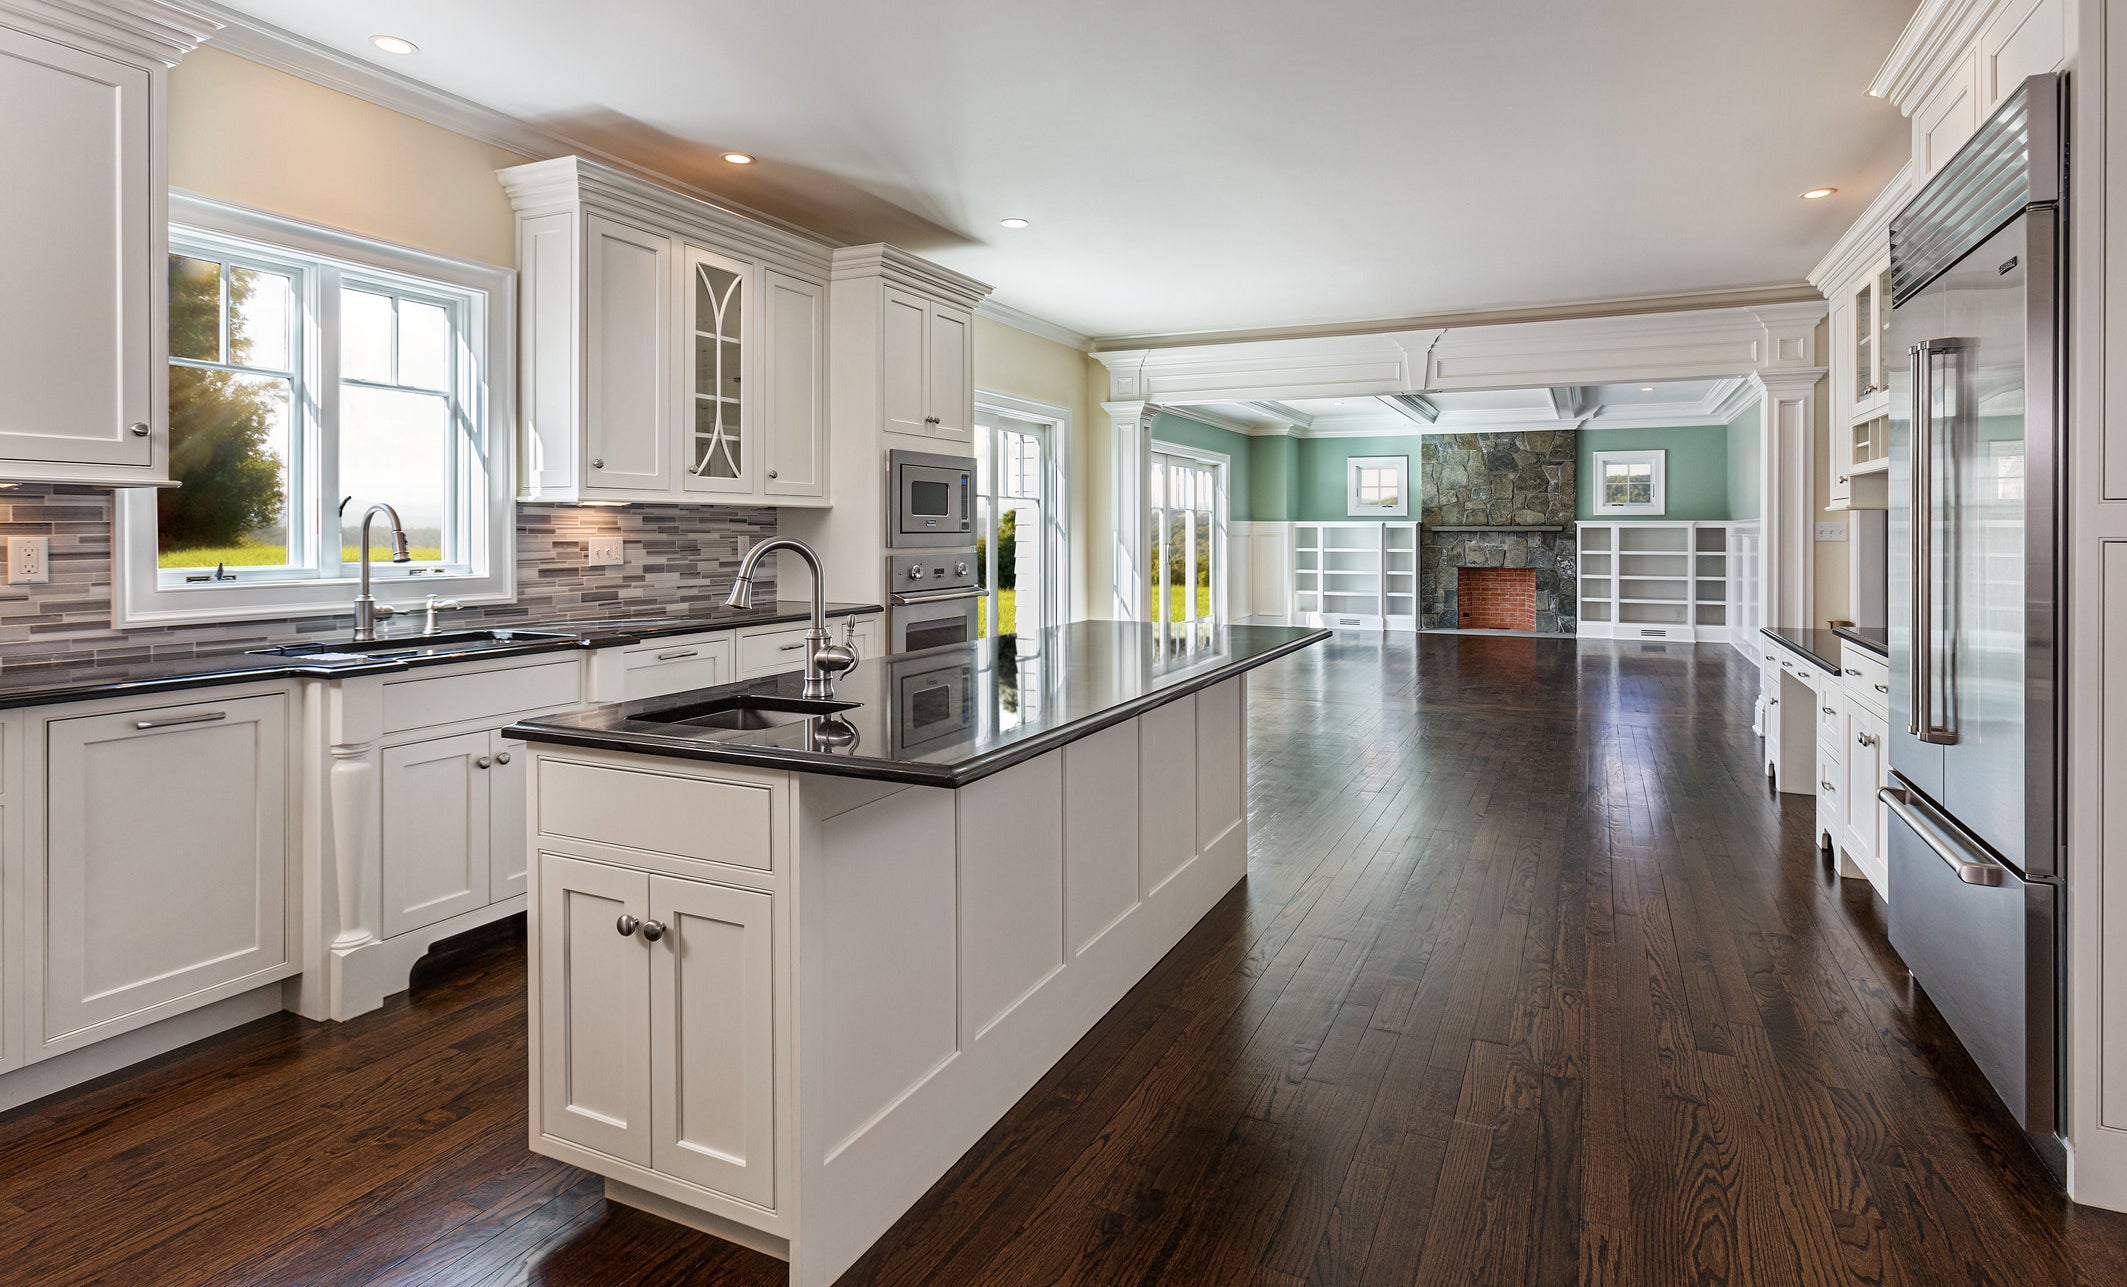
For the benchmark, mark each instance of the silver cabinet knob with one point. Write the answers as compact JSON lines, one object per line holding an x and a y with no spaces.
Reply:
{"x":481,"y":763}
{"x":653,"y":931}
{"x":598,"y":462}
{"x":627,"y":925}
{"x":1864,"y":739}
{"x":502,"y":757}
{"x":139,"y":428}
{"x":771,"y":473}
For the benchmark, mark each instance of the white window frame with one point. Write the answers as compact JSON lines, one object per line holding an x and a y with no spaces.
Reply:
{"x":1221,"y":466}
{"x":1056,"y":504}
{"x":1656,"y":507}
{"x":486,"y":387}
{"x":1354,"y":507}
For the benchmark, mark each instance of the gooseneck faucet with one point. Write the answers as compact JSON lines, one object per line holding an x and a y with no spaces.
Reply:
{"x":367,"y":610}
{"x":825,"y":661}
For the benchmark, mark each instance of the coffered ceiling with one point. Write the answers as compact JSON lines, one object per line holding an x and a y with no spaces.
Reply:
{"x":1215,"y":165}
{"x":1664,"y":404}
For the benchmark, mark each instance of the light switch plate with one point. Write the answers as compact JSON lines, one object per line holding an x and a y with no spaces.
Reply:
{"x":606,"y":551}
{"x":29,"y":560}
{"x":1832,"y":531}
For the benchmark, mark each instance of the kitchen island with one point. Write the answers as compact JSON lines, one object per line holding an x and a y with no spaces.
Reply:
{"x":790,"y":962}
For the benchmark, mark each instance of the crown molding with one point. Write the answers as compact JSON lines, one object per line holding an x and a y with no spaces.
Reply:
{"x":1867,"y":241}
{"x":542,"y":187}
{"x":1938,"y":32}
{"x":1211,"y":418}
{"x":1040,"y":327}
{"x":897,"y":267}
{"x":126,"y":29}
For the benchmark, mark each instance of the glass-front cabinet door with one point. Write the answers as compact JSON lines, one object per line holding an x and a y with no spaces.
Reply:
{"x":1872,"y":321}
{"x":722,"y":440}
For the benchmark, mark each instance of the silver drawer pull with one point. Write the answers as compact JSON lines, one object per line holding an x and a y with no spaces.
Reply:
{"x":1830,"y":711}
{"x":1829,"y":787}
{"x":1971,"y":868}
{"x":204,"y":717}
{"x":1855,"y":673}
{"x":1883,"y":688}
{"x":678,"y":653}
{"x":790,"y":647}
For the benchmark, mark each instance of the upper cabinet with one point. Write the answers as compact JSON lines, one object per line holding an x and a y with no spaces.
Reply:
{"x":905,"y":344}
{"x":83,"y":342}
{"x":670,"y":350}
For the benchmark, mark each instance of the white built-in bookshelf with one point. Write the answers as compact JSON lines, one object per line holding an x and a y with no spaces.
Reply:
{"x":1355,"y":576}
{"x":1654,"y":580}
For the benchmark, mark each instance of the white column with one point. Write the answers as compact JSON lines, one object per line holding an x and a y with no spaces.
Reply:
{"x":1787,"y":496}
{"x":1130,"y":424}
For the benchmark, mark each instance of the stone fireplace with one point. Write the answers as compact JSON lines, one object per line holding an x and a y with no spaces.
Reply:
{"x":1498,"y":500}
{"x":1496,"y":598}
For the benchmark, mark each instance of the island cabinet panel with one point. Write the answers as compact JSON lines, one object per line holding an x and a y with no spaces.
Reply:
{"x":659,"y":813}
{"x":885,"y":891}
{"x":1100,"y":833}
{"x":1166,"y":801}
{"x":1221,"y":763}
{"x":1011,"y":890}
{"x":712,"y":1039}
{"x":594,"y":1008}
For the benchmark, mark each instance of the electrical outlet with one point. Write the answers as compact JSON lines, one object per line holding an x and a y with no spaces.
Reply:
{"x":606,"y":551}
{"x":29,"y":560}
{"x":1832,"y":531}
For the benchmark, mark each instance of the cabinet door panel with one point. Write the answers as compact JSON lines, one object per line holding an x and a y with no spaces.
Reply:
{"x":509,"y":840}
{"x":904,"y":328}
{"x":436,"y":829}
{"x":793,"y":426}
{"x":950,"y":372}
{"x":628,"y":340}
{"x":719,"y":413}
{"x":712,"y":1034}
{"x":77,"y":356}
{"x":165,"y":854}
{"x":1864,"y":773}
{"x":594,"y":1008}
{"x":1943,"y":122}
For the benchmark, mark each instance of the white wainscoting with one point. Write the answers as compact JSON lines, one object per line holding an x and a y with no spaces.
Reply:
{"x":1259,"y":578}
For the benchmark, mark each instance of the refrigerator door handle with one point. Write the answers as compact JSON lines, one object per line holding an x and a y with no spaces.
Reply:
{"x":1921,"y":660}
{"x":1971,"y":868}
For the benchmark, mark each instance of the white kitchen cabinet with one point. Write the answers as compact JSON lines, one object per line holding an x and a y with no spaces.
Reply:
{"x":162,"y":878}
{"x":454,"y":838}
{"x":670,"y":350}
{"x":656,"y":1024}
{"x":760,"y":651}
{"x":1948,"y":116}
{"x":928,"y":377}
{"x":83,"y":341}
{"x":1861,"y":814}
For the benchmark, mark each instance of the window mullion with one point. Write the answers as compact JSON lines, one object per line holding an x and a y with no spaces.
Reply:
{"x":325,"y":437}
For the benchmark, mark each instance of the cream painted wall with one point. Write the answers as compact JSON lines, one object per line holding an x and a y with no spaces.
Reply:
{"x":244,"y":133}
{"x":1832,"y":601}
{"x":1011,"y":361}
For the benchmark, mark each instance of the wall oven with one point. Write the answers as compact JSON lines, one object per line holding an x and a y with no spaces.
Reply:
{"x":931,"y":501}
{"x":935,"y":600}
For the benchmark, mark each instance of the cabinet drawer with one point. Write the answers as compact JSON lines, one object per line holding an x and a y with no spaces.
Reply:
{"x":770,"y":650}
{"x":1802,"y":669}
{"x":1868,"y":681}
{"x":1831,"y":722}
{"x":662,"y":813}
{"x":483,"y":695}
{"x":676,"y":665}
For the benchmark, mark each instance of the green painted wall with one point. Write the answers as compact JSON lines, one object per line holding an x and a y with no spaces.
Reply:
{"x":1274,"y":478}
{"x":1696,"y":468}
{"x":1184,"y":432}
{"x":1320,"y":494}
{"x":1743,"y":461}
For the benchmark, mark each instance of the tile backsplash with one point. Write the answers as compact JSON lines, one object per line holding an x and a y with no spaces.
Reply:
{"x":678,"y":558}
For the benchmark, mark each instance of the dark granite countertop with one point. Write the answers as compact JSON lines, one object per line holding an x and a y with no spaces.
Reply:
{"x":87,"y":681}
{"x":1875,"y":639}
{"x":1817,"y":643}
{"x":946,"y":717}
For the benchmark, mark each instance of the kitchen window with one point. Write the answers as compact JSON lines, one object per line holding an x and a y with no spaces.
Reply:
{"x":1630,"y":483}
{"x":314,"y":373}
{"x":1377,"y":486}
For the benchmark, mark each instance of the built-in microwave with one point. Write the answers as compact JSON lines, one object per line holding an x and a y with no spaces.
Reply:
{"x":930,"y":502}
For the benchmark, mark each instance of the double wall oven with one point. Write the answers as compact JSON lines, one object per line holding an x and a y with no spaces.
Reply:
{"x":933,"y":578}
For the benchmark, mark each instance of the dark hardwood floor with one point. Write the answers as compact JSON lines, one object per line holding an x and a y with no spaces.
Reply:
{"x":1532,"y":981}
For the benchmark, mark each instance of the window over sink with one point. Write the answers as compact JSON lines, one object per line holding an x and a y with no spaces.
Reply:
{"x":314,"y":373}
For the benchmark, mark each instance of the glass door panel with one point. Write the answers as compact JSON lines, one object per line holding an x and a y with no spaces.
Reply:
{"x":1011,"y":512}
{"x":719,"y":451}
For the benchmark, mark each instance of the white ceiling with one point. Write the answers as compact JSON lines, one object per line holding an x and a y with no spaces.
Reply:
{"x":1203,"y":165}
{"x":1664,"y":404}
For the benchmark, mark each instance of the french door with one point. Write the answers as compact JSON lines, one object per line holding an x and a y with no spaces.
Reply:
{"x":1012,"y":503}
{"x":1188,"y":538}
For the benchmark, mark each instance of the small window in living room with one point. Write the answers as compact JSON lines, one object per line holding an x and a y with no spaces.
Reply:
{"x":1629,"y":483}
{"x":312,"y":374}
{"x":1377,"y":486}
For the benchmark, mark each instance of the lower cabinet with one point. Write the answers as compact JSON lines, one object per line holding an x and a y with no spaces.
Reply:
{"x":656,"y":1023}
{"x":454,"y":838}
{"x":1860,"y":812}
{"x":164,"y":862}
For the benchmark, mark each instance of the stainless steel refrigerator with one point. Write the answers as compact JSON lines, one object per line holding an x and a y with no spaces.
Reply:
{"x":1975,"y":349}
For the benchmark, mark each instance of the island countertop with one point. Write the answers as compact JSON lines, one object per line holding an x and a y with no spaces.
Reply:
{"x":946,"y":717}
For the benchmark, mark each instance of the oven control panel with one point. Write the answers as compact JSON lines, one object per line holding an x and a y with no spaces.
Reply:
{"x":936,"y":570}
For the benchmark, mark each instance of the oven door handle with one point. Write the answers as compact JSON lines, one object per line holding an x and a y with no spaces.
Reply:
{"x":922,"y":597}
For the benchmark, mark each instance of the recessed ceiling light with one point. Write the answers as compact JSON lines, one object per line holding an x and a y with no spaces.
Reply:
{"x":1818,"y":194}
{"x":738,"y":158}
{"x":393,"y":44}
{"x":1646,"y":388}
{"x":1013,"y":222}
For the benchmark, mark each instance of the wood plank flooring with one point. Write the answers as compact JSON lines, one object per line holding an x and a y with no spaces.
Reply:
{"x":1532,"y":981}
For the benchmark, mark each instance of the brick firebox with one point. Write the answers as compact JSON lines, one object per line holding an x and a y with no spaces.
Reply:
{"x":1496,"y":598}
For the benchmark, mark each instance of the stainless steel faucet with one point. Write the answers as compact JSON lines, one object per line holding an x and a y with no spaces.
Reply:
{"x":825,"y":660}
{"x":367,"y":610}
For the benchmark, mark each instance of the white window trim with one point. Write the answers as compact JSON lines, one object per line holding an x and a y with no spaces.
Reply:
{"x":1059,"y":493}
{"x":1352,"y":506}
{"x":1655,"y":508}
{"x":140,"y":599}
{"x":1221,"y":466}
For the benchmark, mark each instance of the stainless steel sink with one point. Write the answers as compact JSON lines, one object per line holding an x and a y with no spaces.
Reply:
{"x":451,"y":644}
{"x":742,"y":711}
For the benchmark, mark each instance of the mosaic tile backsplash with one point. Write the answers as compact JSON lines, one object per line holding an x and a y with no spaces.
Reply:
{"x":679,"y":559}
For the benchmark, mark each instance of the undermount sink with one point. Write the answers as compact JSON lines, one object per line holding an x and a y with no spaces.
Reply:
{"x":453,"y":642}
{"x":742,"y":711}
